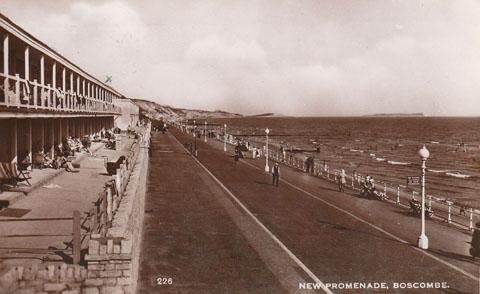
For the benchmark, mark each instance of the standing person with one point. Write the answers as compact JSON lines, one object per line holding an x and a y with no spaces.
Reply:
{"x":312,"y":165}
{"x":275,"y":174}
{"x":475,"y":249}
{"x":237,"y":154}
{"x":342,"y":181}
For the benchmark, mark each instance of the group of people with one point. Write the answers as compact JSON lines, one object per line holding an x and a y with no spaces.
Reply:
{"x":66,"y":148}
{"x":369,"y":184}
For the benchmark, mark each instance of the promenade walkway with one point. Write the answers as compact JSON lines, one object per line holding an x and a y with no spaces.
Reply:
{"x":30,"y":240}
{"x":341,"y":237}
{"x":198,"y":239}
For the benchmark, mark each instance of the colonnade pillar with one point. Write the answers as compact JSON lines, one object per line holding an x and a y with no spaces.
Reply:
{"x":58,"y":135}
{"x":42,"y":135}
{"x":5,"y":54}
{"x":51,"y":124}
{"x":27,"y":63}
{"x":42,"y":70}
{"x":29,"y":139}
{"x":13,"y":141}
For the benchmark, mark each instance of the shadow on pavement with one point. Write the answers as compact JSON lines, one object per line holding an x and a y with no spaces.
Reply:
{"x":343,"y":228}
{"x":456,"y":256}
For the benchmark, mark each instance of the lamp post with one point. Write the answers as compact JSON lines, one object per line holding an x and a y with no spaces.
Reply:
{"x":225,"y":138}
{"x":267,"y":169}
{"x":194,"y":126}
{"x":205,"y":132}
{"x":422,"y":239}
{"x":195,"y":153}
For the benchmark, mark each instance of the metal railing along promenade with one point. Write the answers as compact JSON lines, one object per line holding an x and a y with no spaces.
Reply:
{"x":445,"y":210}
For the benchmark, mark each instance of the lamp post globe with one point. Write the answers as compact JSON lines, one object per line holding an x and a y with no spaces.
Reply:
{"x":225,"y":138}
{"x":424,"y":153}
{"x":422,"y":239}
{"x":267,"y":168}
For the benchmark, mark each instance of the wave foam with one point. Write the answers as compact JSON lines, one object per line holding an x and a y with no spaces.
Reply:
{"x":457,"y":175}
{"x":398,"y":162}
{"x":438,"y":171}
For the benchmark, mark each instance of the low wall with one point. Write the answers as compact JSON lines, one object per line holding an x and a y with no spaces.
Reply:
{"x":112,"y":260}
{"x":111,"y":264}
{"x":44,"y":278}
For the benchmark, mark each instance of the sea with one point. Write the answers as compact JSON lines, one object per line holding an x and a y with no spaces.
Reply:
{"x":383,"y":147}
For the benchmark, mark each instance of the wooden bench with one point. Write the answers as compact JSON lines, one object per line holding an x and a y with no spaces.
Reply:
{"x":112,"y":166}
{"x":9,"y":173}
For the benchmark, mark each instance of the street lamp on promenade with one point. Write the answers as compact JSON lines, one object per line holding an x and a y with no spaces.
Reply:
{"x":194,"y":126}
{"x":422,"y":239}
{"x":225,"y":139}
{"x":267,"y":169}
{"x":205,"y":132}
{"x":194,"y":139}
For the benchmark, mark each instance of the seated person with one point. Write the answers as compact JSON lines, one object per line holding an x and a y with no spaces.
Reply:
{"x":48,"y":161}
{"x":96,"y":138}
{"x":41,"y":160}
{"x":69,"y":167}
{"x":59,"y":162}
{"x":25,"y":163}
{"x":86,"y":142}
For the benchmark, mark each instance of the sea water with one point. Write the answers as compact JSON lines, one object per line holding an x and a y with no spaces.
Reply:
{"x":383,"y":147}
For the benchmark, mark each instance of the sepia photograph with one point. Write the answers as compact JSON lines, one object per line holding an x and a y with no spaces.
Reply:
{"x":239,"y":146}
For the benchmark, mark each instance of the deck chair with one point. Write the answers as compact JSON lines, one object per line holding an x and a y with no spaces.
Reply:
{"x":4,"y":176}
{"x":69,"y":167}
{"x":20,"y":175}
{"x":9,"y":172}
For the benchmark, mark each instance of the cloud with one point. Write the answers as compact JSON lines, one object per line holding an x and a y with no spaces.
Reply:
{"x":302,"y":58}
{"x":214,"y":51}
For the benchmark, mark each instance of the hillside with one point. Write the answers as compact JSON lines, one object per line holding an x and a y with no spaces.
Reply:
{"x":156,"y":111}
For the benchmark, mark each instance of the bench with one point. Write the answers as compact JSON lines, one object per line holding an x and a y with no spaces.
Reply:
{"x":112,"y":166}
{"x":9,"y":173}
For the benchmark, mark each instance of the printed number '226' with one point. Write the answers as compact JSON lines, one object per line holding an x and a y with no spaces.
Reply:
{"x":164,"y":281}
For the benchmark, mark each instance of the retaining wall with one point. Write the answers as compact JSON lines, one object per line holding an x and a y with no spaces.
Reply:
{"x":111,"y":264}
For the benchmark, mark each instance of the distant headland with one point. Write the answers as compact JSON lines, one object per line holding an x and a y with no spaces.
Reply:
{"x":419,"y":114}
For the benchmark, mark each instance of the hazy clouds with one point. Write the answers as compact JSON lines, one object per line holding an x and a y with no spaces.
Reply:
{"x":292,"y":57}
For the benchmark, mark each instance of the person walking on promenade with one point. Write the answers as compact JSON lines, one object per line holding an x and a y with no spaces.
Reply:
{"x":307,"y":164}
{"x":311,"y":164}
{"x":275,"y":174}
{"x":342,"y":180}
{"x":475,"y":244}
{"x":237,"y":154}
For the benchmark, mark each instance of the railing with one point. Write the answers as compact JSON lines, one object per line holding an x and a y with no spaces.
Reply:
{"x":101,"y":215}
{"x":465,"y":218}
{"x":445,"y":210}
{"x":76,"y":243}
{"x":21,"y":93}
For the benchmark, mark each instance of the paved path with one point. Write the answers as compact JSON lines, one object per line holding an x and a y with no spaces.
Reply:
{"x":341,"y":237}
{"x":195,"y":235}
{"x":37,"y":240}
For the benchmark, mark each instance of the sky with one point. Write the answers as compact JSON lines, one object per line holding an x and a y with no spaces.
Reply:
{"x":298,"y":57}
